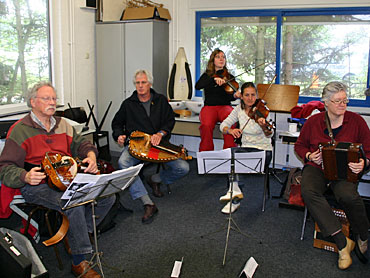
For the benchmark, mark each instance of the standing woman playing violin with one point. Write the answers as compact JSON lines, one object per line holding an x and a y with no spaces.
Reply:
{"x":217,"y":102}
{"x":255,"y":136}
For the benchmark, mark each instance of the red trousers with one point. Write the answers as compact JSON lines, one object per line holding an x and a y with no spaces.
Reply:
{"x":209,"y":116}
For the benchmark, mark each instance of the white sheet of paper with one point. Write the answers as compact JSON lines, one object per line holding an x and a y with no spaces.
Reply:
{"x":219,"y":162}
{"x":176,"y":269}
{"x":86,"y":187}
{"x":249,"y":268}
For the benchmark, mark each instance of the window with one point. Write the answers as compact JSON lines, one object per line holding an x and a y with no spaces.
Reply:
{"x":248,"y":42}
{"x":24,"y":48}
{"x":308,"y":48}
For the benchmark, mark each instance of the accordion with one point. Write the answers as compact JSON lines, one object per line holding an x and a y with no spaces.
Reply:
{"x":336,"y":156}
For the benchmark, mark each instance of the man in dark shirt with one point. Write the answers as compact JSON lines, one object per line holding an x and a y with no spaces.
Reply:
{"x":148,"y":112}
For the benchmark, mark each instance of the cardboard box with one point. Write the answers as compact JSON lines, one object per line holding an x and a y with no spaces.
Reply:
{"x":146,"y":13}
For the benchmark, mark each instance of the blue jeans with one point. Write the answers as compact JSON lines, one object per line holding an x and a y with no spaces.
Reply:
{"x":80,"y":218}
{"x":174,"y":170}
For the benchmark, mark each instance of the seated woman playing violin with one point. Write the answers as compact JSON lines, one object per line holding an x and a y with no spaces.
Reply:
{"x":220,"y":89}
{"x":255,"y":132}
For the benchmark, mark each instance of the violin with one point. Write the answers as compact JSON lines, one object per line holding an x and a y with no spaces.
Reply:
{"x":260,"y":110}
{"x":230,"y":86}
{"x":141,"y":148}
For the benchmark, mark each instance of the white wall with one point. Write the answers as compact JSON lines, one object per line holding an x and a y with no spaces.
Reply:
{"x":73,"y":42}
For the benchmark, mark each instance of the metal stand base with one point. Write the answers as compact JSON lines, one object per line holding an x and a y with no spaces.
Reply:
{"x":97,"y":255}
{"x":231,"y":224}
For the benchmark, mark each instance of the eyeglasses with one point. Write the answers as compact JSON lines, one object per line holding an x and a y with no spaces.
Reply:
{"x":141,"y":82}
{"x":48,"y":99}
{"x":343,"y":101}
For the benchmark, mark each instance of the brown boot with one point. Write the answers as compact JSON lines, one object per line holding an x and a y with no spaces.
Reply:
{"x":77,"y":270}
{"x":156,"y":187}
{"x":149,"y":212}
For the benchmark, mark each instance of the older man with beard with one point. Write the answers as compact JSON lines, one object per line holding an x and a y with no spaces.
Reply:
{"x":27,"y":142}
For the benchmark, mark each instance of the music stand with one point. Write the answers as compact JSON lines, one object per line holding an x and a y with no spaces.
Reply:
{"x":87,"y":188}
{"x":278,"y":98}
{"x":226,"y":162}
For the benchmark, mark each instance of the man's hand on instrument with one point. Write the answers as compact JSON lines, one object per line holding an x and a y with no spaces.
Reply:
{"x":121,"y":140}
{"x":357,"y":167}
{"x":34,"y":176}
{"x":155,"y":139}
{"x":91,"y":161}
{"x":219,"y":81}
{"x":315,"y":157}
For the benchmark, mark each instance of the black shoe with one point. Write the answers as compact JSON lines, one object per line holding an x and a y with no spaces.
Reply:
{"x":149,"y":213}
{"x":361,"y":256}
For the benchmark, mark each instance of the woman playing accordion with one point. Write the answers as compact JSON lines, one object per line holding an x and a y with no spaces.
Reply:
{"x":344,"y":126}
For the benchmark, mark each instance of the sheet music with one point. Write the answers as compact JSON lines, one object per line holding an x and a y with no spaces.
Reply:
{"x":249,"y":268}
{"x":85,"y":187}
{"x":219,"y":162}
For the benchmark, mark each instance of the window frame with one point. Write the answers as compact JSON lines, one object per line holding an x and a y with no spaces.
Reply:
{"x":15,"y":109}
{"x":279,"y":13}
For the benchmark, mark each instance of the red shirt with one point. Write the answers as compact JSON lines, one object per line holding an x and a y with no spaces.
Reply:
{"x":354,"y":129}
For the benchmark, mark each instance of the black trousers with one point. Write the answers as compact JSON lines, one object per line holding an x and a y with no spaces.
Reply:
{"x":314,"y":185}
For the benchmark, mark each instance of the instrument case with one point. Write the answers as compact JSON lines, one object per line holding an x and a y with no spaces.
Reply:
{"x":12,"y":262}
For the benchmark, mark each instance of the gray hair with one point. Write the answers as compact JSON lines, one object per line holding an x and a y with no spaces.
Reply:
{"x":332,"y":88}
{"x":148,"y":74}
{"x":32,"y":92}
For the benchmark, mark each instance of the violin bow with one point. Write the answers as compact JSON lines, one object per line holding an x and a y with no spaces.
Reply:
{"x":248,"y":71}
{"x":270,"y":84}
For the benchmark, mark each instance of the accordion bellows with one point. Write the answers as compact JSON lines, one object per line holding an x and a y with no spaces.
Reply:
{"x":336,"y":156}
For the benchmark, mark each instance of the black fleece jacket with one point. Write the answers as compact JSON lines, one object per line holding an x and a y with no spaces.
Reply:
{"x":132,"y":116}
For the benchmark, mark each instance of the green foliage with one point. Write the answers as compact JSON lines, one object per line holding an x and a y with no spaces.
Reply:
{"x":23,"y":48}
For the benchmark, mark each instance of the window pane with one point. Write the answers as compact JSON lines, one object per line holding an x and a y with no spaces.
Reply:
{"x":24,"y":47}
{"x":320,"y":49}
{"x":248,"y":42}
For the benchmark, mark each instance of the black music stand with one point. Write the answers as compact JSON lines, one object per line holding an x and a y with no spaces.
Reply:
{"x":86,"y":188}
{"x":104,"y":151}
{"x":224,"y":162}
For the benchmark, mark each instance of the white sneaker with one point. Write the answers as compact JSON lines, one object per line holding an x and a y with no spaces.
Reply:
{"x":226,"y":208}
{"x":237,"y":193}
